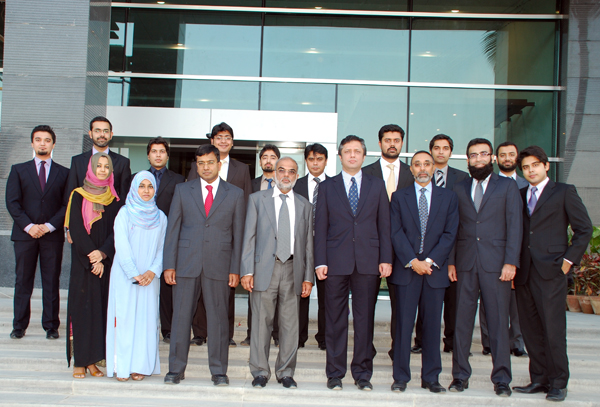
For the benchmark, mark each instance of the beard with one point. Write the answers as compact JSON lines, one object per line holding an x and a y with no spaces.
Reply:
{"x":507,"y":168}
{"x":267,"y":171}
{"x":391,"y":156}
{"x":481,"y":173}
{"x":423,"y":178}
{"x":42,"y":153}
{"x":283,"y":187}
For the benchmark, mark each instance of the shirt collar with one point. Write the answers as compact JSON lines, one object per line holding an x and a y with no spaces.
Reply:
{"x":444,"y":170}
{"x":277,"y":192}
{"x":418,"y":187}
{"x":214,"y":184}
{"x":38,"y":161}
{"x":395,"y":163}
{"x":540,"y":187}
{"x":154,"y":171}
{"x":513,"y":176}
{"x":94,"y":151}
{"x":347,"y":177}
{"x":312,"y":177}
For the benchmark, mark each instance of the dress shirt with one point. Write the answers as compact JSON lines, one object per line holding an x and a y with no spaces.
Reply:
{"x":386,"y":171}
{"x":264,"y":184}
{"x":444,"y":171}
{"x":348,"y":181}
{"x":37,"y":168}
{"x":94,"y":151}
{"x":214,"y":184}
{"x":291,"y":209}
{"x":224,"y":168}
{"x":513,"y":176}
{"x":484,"y":185}
{"x":155,"y":172}
{"x":312,"y":184}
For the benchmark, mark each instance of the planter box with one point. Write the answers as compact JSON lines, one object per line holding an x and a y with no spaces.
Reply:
{"x":573,"y":303}
{"x":595,"y":304}
{"x":586,"y":305}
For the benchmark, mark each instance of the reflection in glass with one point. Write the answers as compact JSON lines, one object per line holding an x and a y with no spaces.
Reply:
{"x":297,"y":97}
{"x":380,"y":5}
{"x":217,"y":95}
{"x":496,"y":6}
{"x":245,"y":3}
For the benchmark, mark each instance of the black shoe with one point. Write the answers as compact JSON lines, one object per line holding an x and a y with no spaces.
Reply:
{"x":447,"y":349}
{"x":532,"y":388}
{"x":288,"y":382}
{"x":416,"y":349}
{"x":502,"y":389}
{"x":398,"y":386}
{"x":391,"y":354}
{"x":276,"y":342}
{"x":260,"y":381}
{"x":363,"y":384}
{"x":220,"y":380}
{"x":167,"y":338}
{"x":556,"y":394}
{"x":198,"y":340}
{"x":52,"y":334}
{"x":322,"y":346}
{"x":434,"y":387}
{"x":518,"y":352}
{"x":17,"y":333}
{"x":232,"y":343}
{"x":300,"y":345}
{"x":486,"y":351}
{"x":245,"y":342}
{"x":334,"y":383}
{"x":458,"y":385}
{"x":174,"y":378}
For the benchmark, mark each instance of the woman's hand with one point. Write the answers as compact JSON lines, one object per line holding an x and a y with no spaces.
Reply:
{"x":96,"y":256}
{"x":146,"y":278}
{"x":98,"y":269}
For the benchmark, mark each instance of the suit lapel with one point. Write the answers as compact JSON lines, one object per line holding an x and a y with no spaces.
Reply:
{"x":338,"y":182}
{"x":299,"y":209}
{"x":197,"y":195}
{"x":450,"y":178}
{"x":468,"y":187}
{"x":231,"y":171}
{"x":546,"y":193}
{"x":51,"y":177}
{"x":269,"y":203}
{"x":434,"y":206}
{"x":405,"y":177}
{"x":222,"y":193}
{"x":34,"y":176}
{"x":365,"y":187}
{"x":165,"y":180}
{"x":410,"y":195}
{"x":489,"y":190}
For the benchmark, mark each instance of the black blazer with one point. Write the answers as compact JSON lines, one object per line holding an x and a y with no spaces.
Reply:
{"x":301,"y":186}
{"x":405,"y":177}
{"x":27,"y":204}
{"x":545,"y":240}
{"x":255,"y":183}
{"x":165,"y":192}
{"x":238,"y":174}
{"x":121,"y":170}
{"x":454,"y":176}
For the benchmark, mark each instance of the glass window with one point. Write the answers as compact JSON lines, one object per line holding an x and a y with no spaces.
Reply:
{"x":335,"y":52}
{"x":380,"y":5}
{"x":496,"y":6}
{"x":246,"y":3}
{"x":486,"y":52}
{"x":218,"y":95}
{"x":297,"y":97}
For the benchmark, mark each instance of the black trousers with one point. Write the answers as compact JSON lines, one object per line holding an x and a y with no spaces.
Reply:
{"x":199,"y":323}
{"x":320,"y":335}
{"x":166,"y":306}
{"x":50,"y":257}
{"x":541,"y":306}
{"x":449,"y":319}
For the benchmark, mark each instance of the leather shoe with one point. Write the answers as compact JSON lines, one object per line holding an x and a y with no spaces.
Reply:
{"x":532,"y":388}
{"x":300,"y":345}
{"x":52,"y":334}
{"x":198,"y":340}
{"x":398,"y":386}
{"x":416,"y":349}
{"x":260,"y":381}
{"x":322,"y":346}
{"x":232,"y":343}
{"x":245,"y":342}
{"x":502,"y":389}
{"x":276,"y":342}
{"x":220,"y":380}
{"x":486,"y":351}
{"x":556,"y":394}
{"x":447,"y":349}
{"x":174,"y":378}
{"x":17,"y":333}
{"x":167,"y":338}
{"x":458,"y":385}
{"x":288,"y":382}
{"x":434,"y":387}
{"x":334,"y":383}
{"x":518,"y":352}
{"x":363,"y":384}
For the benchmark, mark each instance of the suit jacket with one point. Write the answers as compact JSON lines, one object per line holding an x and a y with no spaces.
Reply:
{"x":301,"y":186}
{"x":344,"y":241}
{"x":440,"y":234}
{"x":121,"y":170}
{"x":545,"y":240}
{"x":165,"y":192}
{"x":405,"y":177}
{"x":493,"y":234}
{"x":255,"y":184}
{"x":454,"y":176}
{"x":522,"y":182}
{"x":197,"y":243}
{"x":238,"y":175}
{"x":27,"y":204}
{"x":260,"y":241}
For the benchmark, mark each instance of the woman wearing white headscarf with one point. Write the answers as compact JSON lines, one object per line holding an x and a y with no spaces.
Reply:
{"x":133,"y":313}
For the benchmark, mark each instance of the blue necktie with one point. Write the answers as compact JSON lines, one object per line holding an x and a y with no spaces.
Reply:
{"x":532,"y":201}
{"x":423,"y":216}
{"x":353,"y":196}
{"x":269,"y":180}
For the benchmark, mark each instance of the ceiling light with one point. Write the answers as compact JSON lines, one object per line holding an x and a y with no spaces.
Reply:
{"x":203,"y":100}
{"x":318,"y":8}
{"x":455,"y":11}
{"x":306,"y":103}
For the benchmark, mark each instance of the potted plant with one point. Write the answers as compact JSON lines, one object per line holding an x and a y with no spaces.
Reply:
{"x":585,"y":288}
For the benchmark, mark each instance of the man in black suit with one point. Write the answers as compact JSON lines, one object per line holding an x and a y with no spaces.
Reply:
{"x":353,"y":250}
{"x":158,"y":155}
{"x":486,"y":256}
{"x":315,"y":156}
{"x":424,"y":225}
{"x":444,"y":176}
{"x":34,"y":198}
{"x":506,"y":155}
{"x":238,"y":174}
{"x":396,"y":175}
{"x":268,"y":157}
{"x":548,"y":209}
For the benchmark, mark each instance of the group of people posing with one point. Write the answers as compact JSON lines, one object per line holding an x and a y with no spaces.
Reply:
{"x":156,"y":245}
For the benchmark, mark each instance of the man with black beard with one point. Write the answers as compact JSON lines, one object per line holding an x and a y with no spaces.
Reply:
{"x":506,"y":155}
{"x":486,"y":256}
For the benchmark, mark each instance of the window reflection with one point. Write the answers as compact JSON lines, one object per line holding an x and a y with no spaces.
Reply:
{"x":496,"y":6}
{"x":297,"y":97}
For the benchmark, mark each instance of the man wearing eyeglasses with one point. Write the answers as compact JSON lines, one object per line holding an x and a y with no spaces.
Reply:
{"x":485,"y":258}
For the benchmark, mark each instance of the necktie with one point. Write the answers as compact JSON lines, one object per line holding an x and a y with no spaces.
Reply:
{"x":209,"y":199}
{"x":353,"y":196}
{"x":439,"y":179}
{"x":315,"y":196}
{"x":222,"y":172}
{"x":283,"y":231}
{"x":532,"y":201}
{"x":478,"y":195}
{"x":157,"y":176}
{"x":42,"y":175}
{"x":269,"y":180}
{"x":390,"y":185}
{"x":423,"y":216}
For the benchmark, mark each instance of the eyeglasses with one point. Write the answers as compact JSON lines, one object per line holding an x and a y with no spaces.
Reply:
{"x":101,"y":131}
{"x":201,"y":163}
{"x":483,"y":154}
{"x":223,"y":138}
{"x":426,"y":164}
{"x":283,"y":171}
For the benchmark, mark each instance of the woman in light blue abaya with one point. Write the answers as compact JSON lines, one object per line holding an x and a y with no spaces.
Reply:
{"x":133,"y":313}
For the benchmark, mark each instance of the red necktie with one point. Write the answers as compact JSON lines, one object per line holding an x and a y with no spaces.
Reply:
{"x":209,"y":199}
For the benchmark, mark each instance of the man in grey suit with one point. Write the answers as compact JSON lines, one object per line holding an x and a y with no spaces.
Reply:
{"x":203,"y":246}
{"x":486,"y":256}
{"x":277,"y":268}
{"x":506,"y":155}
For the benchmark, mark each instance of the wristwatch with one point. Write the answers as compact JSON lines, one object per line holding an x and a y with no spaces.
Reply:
{"x":429,"y":261}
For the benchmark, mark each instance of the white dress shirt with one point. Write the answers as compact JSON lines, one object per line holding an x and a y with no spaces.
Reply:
{"x":312,"y":184}
{"x":484,"y":185}
{"x":94,"y":151}
{"x":47,"y":165}
{"x":214,"y":184}
{"x":291,"y":209}
{"x":348,"y":181}
{"x":224,"y":168}
{"x":386,"y":171}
